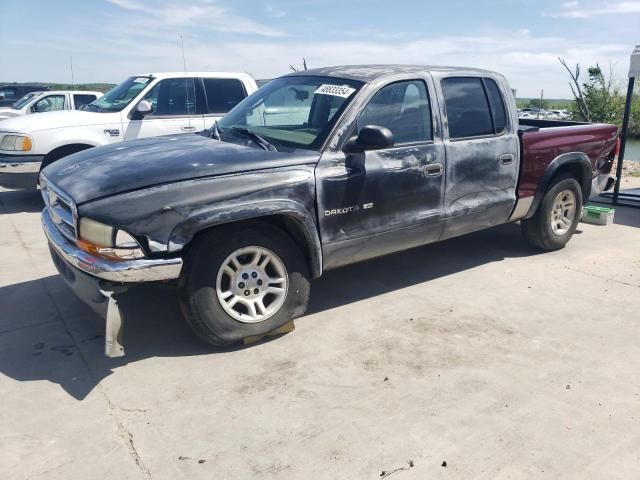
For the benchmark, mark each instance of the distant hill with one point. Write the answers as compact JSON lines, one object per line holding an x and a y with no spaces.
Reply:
{"x":99,"y":87}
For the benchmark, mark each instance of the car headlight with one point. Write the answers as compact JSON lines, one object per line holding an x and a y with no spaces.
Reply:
{"x":16,"y":143}
{"x":106,"y":241}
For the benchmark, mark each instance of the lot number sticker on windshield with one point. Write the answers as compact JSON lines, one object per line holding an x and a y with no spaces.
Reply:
{"x":335,"y":90}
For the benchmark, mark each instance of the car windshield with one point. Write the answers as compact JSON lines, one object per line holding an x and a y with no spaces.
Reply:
{"x":119,"y":97}
{"x":297,"y":111}
{"x":24,"y":100}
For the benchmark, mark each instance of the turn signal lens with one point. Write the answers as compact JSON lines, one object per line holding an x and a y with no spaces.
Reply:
{"x":23,"y":144}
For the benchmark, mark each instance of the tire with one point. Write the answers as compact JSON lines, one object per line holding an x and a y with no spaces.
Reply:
{"x":555,"y":221}
{"x":62,"y":152}
{"x":204,"y":282}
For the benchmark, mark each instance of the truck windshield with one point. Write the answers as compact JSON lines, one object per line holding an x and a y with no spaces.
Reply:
{"x":120,"y":96}
{"x":297,"y":111}
{"x":24,"y":100}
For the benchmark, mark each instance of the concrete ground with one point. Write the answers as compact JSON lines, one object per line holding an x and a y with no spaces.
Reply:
{"x":478,"y":352}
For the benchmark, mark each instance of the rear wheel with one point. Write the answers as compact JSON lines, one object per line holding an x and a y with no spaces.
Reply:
{"x":242,"y":281}
{"x":556,"y":220}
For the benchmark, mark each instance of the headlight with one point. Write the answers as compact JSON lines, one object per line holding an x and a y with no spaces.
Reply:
{"x":107,"y":241}
{"x":16,"y":143}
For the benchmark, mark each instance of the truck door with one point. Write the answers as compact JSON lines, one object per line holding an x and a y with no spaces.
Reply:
{"x":482,"y":155}
{"x":381,"y":201}
{"x":176,"y":109}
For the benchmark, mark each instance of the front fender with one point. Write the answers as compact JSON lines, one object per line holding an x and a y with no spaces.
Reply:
{"x":220,"y":215}
{"x":578,"y":159}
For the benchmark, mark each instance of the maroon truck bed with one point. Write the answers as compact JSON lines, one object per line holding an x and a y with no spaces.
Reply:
{"x":541,"y":141}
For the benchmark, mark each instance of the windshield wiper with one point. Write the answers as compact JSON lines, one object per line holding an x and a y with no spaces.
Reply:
{"x":263,"y":142}
{"x":215,"y":131}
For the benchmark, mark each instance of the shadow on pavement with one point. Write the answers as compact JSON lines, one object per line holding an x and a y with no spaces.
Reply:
{"x":17,"y":201}
{"x":22,"y":181}
{"x":43,"y":350}
{"x":629,"y":217}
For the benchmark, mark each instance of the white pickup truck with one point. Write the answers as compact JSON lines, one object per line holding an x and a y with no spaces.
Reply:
{"x":147,"y":105}
{"x":49,"y":101}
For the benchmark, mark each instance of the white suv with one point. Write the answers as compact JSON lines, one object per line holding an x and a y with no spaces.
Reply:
{"x":49,"y":101}
{"x":142,"y":106}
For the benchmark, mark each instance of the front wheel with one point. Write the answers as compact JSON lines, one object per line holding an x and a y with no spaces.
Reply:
{"x":242,"y":281}
{"x":556,"y":220}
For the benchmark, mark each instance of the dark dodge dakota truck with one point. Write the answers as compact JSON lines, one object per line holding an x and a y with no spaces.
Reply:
{"x":315,"y":170}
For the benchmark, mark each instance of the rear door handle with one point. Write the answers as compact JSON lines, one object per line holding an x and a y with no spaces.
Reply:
{"x":188,"y":128}
{"x":433,"y":169}
{"x":506,"y":159}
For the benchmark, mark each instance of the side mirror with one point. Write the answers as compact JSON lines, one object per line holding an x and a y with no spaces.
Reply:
{"x":370,"y":137}
{"x":144,"y":107}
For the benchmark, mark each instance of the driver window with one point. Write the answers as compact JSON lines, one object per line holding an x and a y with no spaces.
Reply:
{"x":285,"y":106}
{"x":174,"y":96}
{"x":403,"y":108}
{"x":50,"y":103}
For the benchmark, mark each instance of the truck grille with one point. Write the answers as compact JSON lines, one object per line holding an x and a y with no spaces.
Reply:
{"x":61,"y":209}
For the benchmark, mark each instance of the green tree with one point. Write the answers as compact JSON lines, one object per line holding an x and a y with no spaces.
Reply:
{"x":537,"y":103}
{"x":603,"y":99}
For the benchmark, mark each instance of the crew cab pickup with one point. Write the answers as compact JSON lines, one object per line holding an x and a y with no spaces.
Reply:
{"x":315,"y":170}
{"x":142,"y":106}
{"x":49,"y":101}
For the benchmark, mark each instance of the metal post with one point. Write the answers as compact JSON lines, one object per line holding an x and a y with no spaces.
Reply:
{"x":623,"y":139}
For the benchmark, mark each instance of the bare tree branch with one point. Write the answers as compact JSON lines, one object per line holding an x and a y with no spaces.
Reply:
{"x":577,"y":92}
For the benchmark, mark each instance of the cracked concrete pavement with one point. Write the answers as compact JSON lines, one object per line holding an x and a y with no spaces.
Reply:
{"x":478,"y":352}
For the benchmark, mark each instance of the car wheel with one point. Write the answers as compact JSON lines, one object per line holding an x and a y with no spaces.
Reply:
{"x":241,"y":281}
{"x":556,"y":220}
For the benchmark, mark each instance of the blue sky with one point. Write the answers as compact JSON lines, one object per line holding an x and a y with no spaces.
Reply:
{"x":112,"y":39}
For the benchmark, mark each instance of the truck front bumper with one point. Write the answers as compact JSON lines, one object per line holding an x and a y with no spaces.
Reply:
{"x":20,"y":163}
{"x":97,"y":281}
{"x":120,"y":271}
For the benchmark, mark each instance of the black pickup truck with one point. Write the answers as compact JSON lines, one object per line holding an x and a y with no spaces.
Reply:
{"x":315,"y":170}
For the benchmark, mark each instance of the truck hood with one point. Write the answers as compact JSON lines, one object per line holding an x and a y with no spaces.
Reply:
{"x":59,"y":119}
{"x":8,"y":112}
{"x":122,"y":167}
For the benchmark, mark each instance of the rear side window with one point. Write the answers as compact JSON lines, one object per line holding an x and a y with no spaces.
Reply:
{"x":223,"y":94}
{"x":467,"y":107}
{"x":497,"y":105}
{"x":81,"y":99}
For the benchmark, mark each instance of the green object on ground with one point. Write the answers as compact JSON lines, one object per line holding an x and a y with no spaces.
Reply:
{"x":598,"y":215}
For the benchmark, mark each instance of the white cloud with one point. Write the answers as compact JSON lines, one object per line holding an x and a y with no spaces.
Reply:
{"x":575,"y":10}
{"x":273,"y":11}
{"x":110,"y":51}
{"x":200,"y":14}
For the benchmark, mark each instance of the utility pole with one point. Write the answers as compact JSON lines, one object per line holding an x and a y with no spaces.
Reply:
{"x":72,"y":87}
{"x":541,"y":102}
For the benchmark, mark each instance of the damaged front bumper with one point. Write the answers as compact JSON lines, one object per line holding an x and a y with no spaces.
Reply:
{"x":97,"y":281}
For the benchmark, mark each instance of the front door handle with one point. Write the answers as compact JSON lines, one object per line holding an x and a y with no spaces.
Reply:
{"x":433,"y":169}
{"x":506,"y":159}
{"x":188,"y":128}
